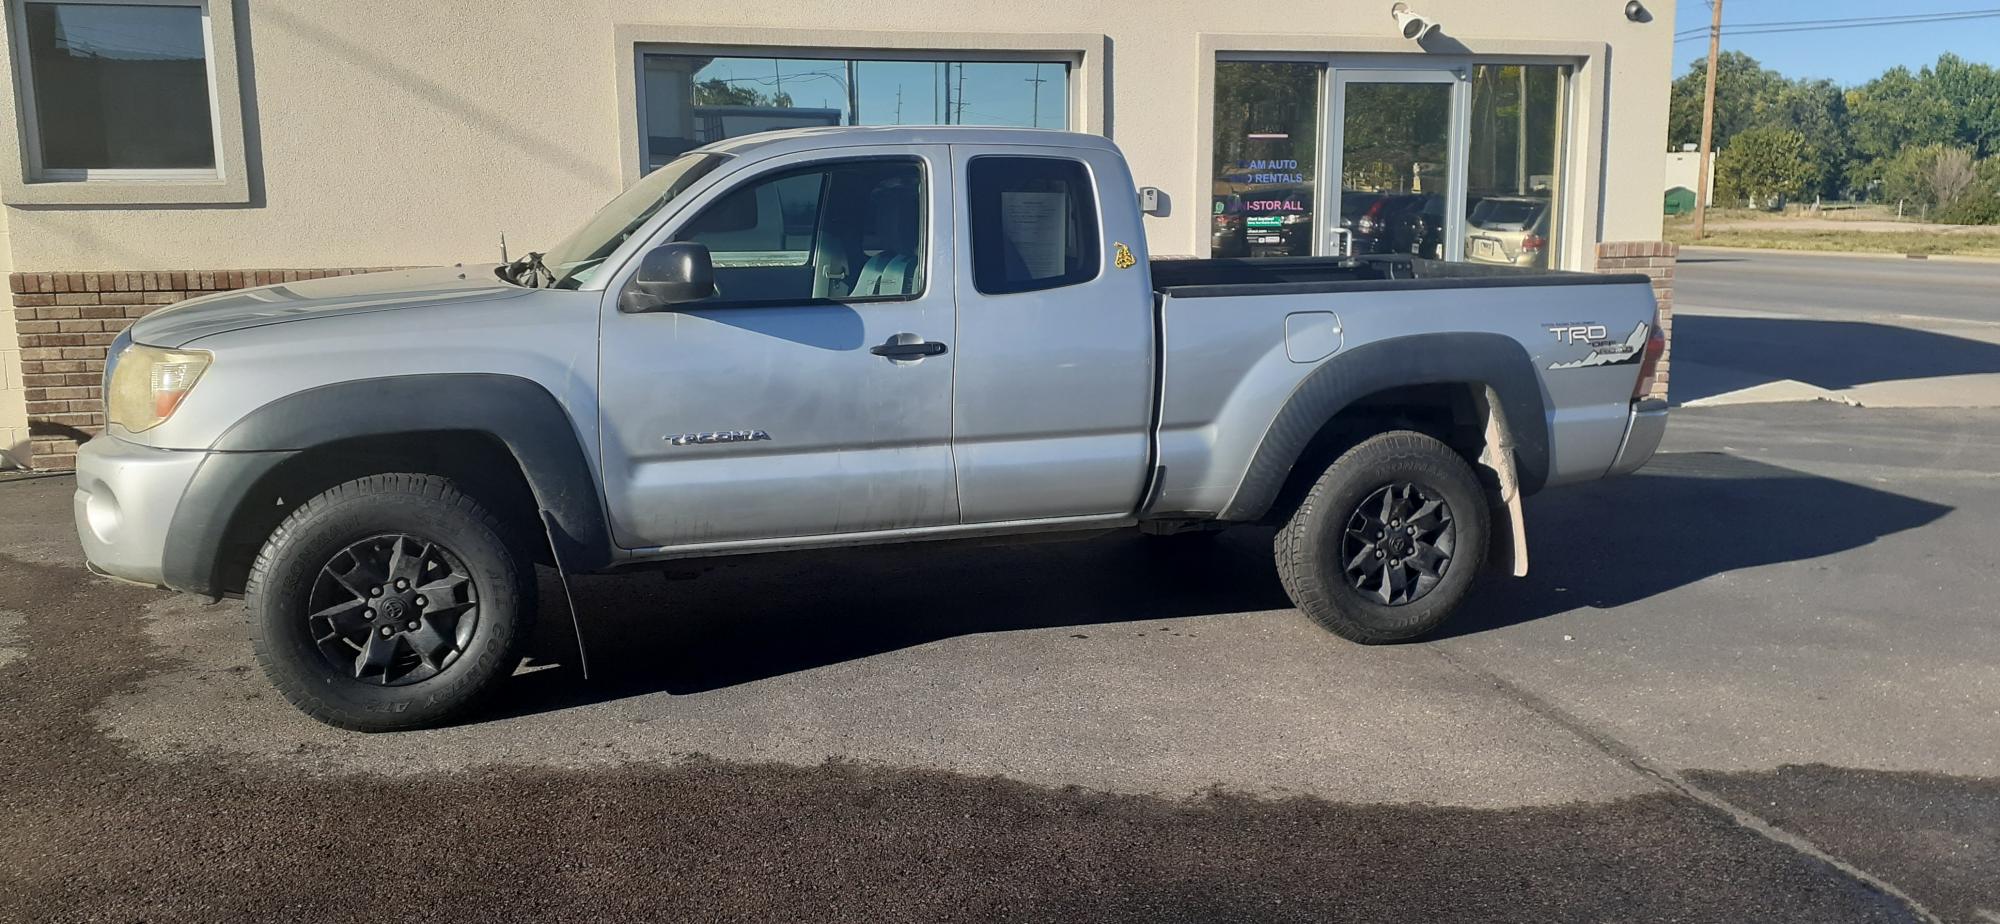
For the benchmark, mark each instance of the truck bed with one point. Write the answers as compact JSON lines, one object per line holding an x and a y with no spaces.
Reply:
{"x":1243,"y":342}
{"x":1375,"y":272}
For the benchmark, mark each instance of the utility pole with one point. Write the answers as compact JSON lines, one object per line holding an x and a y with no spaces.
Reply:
{"x":961,"y":92}
{"x":1035,"y":119}
{"x":853,"y":93}
{"x":1708,"y":127}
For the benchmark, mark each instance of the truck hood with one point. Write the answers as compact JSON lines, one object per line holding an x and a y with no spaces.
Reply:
{"x":222,"y":312}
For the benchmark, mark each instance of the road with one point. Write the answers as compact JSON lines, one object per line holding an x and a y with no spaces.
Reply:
{"x":1758,"y":681}
{"x":1877,"y":331}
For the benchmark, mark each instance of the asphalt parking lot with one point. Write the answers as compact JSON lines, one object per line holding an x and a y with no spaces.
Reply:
{"x":1758,"y":681}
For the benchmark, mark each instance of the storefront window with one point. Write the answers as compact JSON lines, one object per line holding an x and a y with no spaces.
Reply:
{"x":1514,"y":171}
{"x":1266,"y":144}
{"x":1395,"y":166}
{"x":691,"y":100}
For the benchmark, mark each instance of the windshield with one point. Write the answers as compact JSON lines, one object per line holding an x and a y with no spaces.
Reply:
{"x":1507,"y":214}
{"x":577,"y":258}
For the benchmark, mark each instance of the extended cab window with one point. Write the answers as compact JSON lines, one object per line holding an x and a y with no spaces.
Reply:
{"x":1034,"y":223}
{"x":848,"y":230}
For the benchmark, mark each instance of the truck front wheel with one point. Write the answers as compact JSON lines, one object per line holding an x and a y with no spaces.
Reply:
{"x":389,"y":602}
{"x":1388,"y":541}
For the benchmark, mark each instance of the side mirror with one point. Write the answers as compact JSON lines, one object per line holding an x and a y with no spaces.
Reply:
{"x":668,"y":275}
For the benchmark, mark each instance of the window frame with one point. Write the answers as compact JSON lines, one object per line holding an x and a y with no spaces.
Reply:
{"x":781,"y":171}
{"x":839,"y":55}
{"x":1096,"y":222}
{"x":1086,"y":53}
{"x":1586,"y":90}
{"x":27,"y":181}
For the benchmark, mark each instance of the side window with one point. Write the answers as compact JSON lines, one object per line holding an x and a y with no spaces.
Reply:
{"x":849,"y":230}
{"x":1034,"y":224}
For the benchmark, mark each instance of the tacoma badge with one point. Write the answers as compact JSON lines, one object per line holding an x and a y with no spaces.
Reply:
{"x":716,"y":436}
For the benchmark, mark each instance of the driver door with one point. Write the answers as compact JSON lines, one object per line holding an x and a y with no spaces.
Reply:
{"x":792,"y":403}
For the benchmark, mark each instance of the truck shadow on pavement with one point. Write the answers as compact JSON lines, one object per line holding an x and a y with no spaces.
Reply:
{"x":1716,"y":355}
{"x":1682,"y":518}
{"x":713,"y":623}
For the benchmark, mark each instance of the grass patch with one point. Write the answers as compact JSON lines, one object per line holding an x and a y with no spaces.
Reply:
{"x":1982,"y":242}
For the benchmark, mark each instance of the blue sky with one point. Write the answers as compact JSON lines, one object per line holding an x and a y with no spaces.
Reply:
{"x":1849,"y":56}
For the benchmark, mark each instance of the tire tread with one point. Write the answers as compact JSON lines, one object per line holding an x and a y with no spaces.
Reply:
{"x":297,"y":688}
{"x":1300,"y":570}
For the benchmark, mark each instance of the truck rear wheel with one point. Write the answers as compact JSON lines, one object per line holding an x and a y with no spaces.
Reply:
{"x":1388,"y":541}
{"x":390,"y":602}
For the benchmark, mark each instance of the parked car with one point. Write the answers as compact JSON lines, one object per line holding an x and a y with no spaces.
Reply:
{"x":1354,"y":206}
{"x":1418,"y":230}
{"x":1227,"y":237}
{"x":377,"y":463}
{"x":1375,"y":231}
{"x":1277,"y":221}
{"x":1509,"y":230}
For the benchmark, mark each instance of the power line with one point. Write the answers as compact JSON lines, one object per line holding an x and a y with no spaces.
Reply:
{"x":1818,"y":25}
{"x":1853,"y":19}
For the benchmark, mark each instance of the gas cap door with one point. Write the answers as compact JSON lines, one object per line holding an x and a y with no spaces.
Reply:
{"x":1311,"y":336}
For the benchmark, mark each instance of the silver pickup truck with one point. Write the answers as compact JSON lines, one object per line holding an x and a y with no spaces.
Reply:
{"x":828,"y":337}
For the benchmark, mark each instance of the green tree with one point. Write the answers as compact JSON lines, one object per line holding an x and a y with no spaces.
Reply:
{"x":1816,"y":109}
{"x":1973,"y":93}
{"x":1747,"y":95}
{"x":1906,"y":176}
{"x":1765,"y":164}
{"x":1739,"y":83}
{"x":1895,"y":111}
{"x":718,"y":92}
{"x":1981,"y":205}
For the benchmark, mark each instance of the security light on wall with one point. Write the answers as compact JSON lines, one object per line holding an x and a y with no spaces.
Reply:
{"x":1415,"y":25}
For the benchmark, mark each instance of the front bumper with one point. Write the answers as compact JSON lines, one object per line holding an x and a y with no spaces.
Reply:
{"x":1643,"y":432}
{"x":126,"y":495}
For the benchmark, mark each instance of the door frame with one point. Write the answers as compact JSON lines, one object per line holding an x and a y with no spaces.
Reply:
{"x":1586,"y":101}
{"x":1333,"y":137}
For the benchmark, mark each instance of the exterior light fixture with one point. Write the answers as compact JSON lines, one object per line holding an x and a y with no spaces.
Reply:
{"x":1414,"y":25}
{"x":1637,"y":12}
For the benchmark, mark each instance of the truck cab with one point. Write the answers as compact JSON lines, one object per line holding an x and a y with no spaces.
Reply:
{"x":925,"y":332}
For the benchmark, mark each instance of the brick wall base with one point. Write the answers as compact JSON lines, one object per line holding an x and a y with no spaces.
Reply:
{"x":65,"y":321}
{"x":1654,"y":259}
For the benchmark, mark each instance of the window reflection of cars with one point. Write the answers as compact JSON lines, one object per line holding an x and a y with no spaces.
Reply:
{"x":1375,"y":229}
{"x":1509,"y":230}
{"x":1355,"y":205}
{"x":1277,"y":221}
{"x":1418,"y":229}
{"x":1225,"y":234}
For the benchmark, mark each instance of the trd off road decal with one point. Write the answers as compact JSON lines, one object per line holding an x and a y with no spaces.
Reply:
{"x":1603,"y":350}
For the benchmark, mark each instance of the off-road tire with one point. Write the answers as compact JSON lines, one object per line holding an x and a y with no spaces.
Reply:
{"x":427,"y":508}
{"x":1309,"y":546}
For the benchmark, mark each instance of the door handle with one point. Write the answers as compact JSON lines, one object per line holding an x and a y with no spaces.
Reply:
{"x":908,"y":346}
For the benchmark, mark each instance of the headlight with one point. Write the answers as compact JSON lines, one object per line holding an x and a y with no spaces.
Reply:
{"x":148,"y":383}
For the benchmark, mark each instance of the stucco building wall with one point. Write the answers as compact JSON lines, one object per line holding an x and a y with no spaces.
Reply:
{"x":381,"y":132}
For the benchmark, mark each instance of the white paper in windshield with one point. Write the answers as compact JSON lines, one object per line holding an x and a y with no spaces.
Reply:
{"x":1033,"y":223}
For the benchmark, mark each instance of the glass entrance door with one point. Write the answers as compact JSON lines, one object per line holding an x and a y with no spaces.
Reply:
{"x":1397,"y":151}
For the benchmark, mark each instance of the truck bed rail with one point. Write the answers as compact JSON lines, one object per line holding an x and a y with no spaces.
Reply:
{"x":1307,"y":275}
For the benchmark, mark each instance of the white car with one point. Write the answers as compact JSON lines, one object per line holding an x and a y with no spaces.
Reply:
{"x":1509,"y":230}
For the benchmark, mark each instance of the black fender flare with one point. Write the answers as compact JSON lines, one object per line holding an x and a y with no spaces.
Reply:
{"x":1493,"y":360}
{"x":519,"y":413}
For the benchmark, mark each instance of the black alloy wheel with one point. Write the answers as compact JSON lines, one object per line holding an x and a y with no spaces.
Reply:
{"x":1398,"y":543}
{"x":1388,"y":541}
{"x":393,"y":609}
{"x":390,"y":602}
